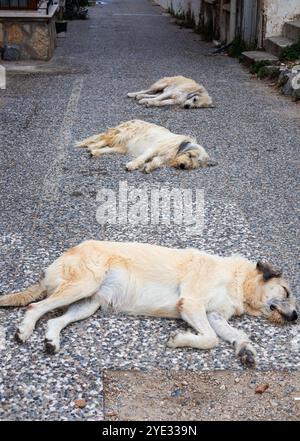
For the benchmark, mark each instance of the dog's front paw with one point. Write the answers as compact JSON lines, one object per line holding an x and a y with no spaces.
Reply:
{"x":131,"y":166}
{"x":94,"y":153}
{"x":171,"y":343}
{"x":147,"y":168}
{"x":247,"y":355}
{"x":149,"y":104}
{"x":51,"y":347}
{"x":18,"y":337}
{"x":145,"y":102}
{"x":180,"y":339}
{"x":22,"y":334}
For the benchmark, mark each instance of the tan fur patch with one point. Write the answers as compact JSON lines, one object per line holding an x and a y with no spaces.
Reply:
{"x":179,"y":305}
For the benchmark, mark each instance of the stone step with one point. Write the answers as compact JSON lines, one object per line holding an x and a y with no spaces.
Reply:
{"x":291,"y":30}
{"x":275,"y":45}
{"x":250,"y":57}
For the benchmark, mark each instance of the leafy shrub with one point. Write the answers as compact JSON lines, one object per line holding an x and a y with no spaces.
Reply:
{"x":254,"y":68}
{"x":270,"y":72}
{"x":291,"y":53}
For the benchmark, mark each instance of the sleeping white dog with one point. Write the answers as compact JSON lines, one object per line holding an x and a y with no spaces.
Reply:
{"x":153,"y":147}
{"x":174,"y":90}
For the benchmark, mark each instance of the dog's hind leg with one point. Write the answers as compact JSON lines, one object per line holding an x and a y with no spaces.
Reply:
{"x":97,"y":145}
{"x":146,"y":95}
{"x":66,"y":293}
{"x":77,"y":311}
{"x":95,"y":153}
{"x":195,"y":315}
{"x":23,"y":298}
{"x":238,"y":339}
{"x":91,"y":140}
{"x":156,"y":98}
{"x":135,"y":94}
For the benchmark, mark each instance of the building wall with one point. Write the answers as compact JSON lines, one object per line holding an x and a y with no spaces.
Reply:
{"x":277,"y":12}
{"x":260,"y":18}
{"x":182,"y":6}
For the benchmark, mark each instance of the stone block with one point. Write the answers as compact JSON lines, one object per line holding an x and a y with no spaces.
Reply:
{"x":14,"y":34}
{"x":11,"y":52}
{"x":250,"y":57}
{"x":40,"y":42}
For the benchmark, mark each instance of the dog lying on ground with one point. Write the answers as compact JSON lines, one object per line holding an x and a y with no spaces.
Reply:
{"x":153,"y":146}
{"x":133,"y":278}
{"x":174,"y":90}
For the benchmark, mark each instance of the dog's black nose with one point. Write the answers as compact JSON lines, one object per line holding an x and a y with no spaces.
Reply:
{"x":293,"y":317}
{"x":186,"y":106}
{"x":182,"y":166}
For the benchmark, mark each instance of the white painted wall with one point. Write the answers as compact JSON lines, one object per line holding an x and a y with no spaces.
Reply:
{"x":180,"y":6}
{"x":277,"y":12}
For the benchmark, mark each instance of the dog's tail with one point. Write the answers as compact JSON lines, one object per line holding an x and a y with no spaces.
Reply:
{"x":23,"y":298}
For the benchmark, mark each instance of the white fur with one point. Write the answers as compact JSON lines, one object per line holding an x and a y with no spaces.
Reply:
{"x":174,"y":90}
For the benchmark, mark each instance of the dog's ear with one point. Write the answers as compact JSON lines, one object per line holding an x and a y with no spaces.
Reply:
{"x":267,"y":270}
{"x":192,"y":94}
{"x":183,"y":147}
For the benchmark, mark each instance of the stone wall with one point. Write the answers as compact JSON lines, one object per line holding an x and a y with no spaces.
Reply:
{"x":277,"y":12}
{"x":31,"y":39}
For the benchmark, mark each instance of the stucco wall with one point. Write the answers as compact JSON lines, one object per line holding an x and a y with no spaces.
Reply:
{"x":180,"y":6}
{"x":277,"y":12}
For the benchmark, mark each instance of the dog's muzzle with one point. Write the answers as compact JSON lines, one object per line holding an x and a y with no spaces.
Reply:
{"x":288,"y":316}
{"x":292,"y":317}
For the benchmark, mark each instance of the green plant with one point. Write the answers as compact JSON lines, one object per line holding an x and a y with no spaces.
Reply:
{"x":291,"y":52}
{"x":257,"y":65}
{"x":270,"y":72}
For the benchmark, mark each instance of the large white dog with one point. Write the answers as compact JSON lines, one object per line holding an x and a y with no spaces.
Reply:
{"x":174,"y":90}
{"x":153,"y":147}
{"x":134,"y":278}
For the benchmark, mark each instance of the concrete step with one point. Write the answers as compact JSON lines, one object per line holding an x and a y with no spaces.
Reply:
{"x":291,"y":30}
{"x":275,"y":45}
{"x":250,"y":57}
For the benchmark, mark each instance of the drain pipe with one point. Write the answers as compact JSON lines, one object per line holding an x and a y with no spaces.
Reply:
{"x":232,"y":23}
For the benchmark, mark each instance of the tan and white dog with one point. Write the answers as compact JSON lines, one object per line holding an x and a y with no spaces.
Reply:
{"x":133,"y":278}
{"x":153,"y":146}
{"x":174,"y":90}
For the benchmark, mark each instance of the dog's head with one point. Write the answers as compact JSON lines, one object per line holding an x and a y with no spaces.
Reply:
{"x":190,"y":155}
{"x":196,"y":100}
{"x":267,"y":293}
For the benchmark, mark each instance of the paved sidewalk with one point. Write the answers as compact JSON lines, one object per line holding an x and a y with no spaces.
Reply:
{"x":48,"y":197}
